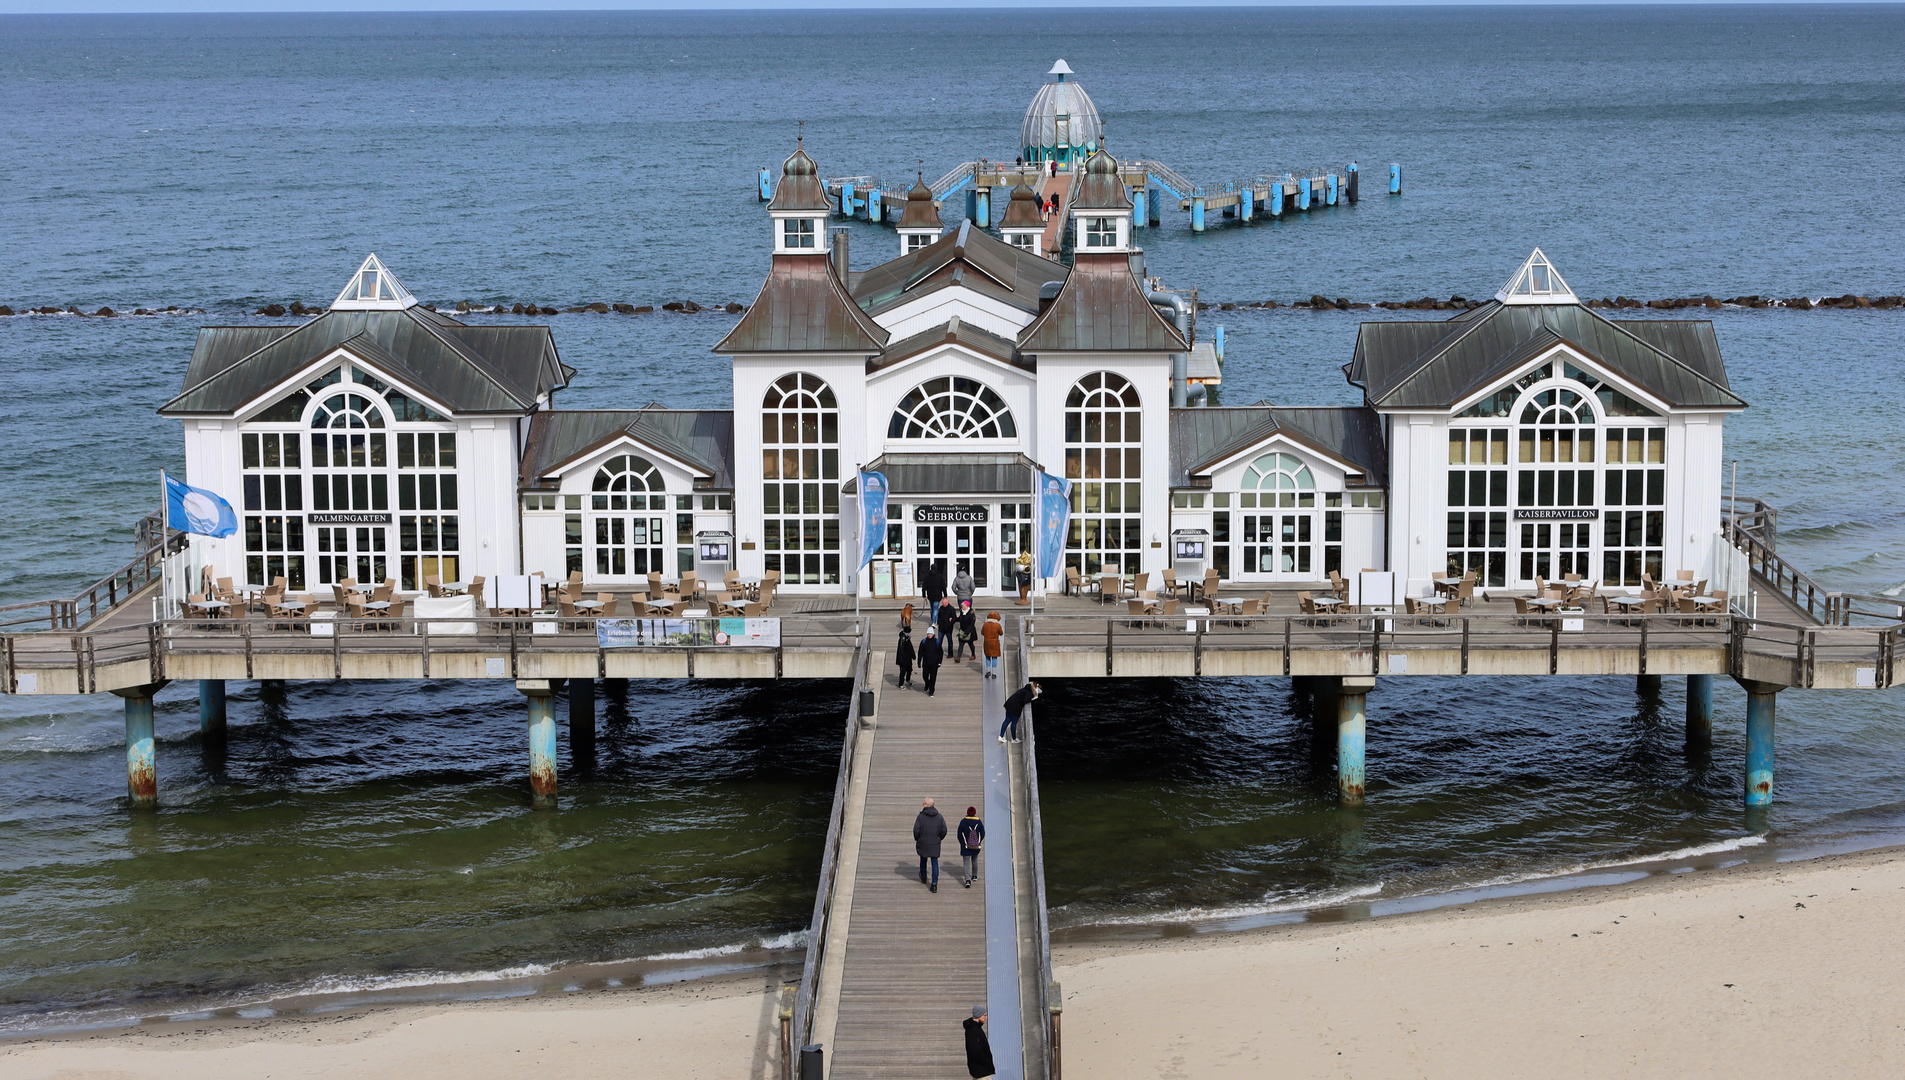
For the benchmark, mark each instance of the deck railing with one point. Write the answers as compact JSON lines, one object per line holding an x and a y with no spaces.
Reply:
{"x":1752,"y":526}
{"x":803,"y":1020}
{"x":102,"y":596}
{"x":1050,"y":1001}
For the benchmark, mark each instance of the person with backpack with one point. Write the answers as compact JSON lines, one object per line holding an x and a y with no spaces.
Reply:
{"x":930,"y":655}
{"x":972,"y":837}
{"x":1015,"y":705}
{"x":903,"y":652}
{"x":993,"y":631}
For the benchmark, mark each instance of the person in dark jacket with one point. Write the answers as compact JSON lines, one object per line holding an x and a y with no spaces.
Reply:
{"x":933,"y":583}
{"x":968,"y":643}
{"x":929,"y":828}
{"x":1015,"y":705}
{"x":903,"y":653}
{"x":930,"y":654}
{"x":972,"y":836}
{"x":947,"y":616}
{"x":978,"y":1047}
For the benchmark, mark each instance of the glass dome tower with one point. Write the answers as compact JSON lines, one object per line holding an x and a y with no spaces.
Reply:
{"x":1061,"y":124}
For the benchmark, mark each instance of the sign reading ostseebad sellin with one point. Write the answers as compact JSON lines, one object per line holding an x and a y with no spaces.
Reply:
{"x":688,"y":633}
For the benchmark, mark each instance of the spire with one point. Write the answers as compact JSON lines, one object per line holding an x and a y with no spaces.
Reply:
{"x":1061,"y":69}
{"x":1022,"y":212}
{"x":920,"y":211}
{"x":800,"y":187}
{"x":1101,"y":189}
{"x":373,"y":288}
{"x":1536,"y":282}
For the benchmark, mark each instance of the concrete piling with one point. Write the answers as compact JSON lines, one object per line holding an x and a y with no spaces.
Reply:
{"x":1395,"y":179}
{"x":1197,"y":213}
{"x":211,"y":709}
{"x":1760,"y":698}
{"x":582,"y":720}
{"x":542,"y":740}
{"x":1699,"y":708}
{"x":142,"y":770}
{"x":1351,"y":720}
{"x":1350,"y":183}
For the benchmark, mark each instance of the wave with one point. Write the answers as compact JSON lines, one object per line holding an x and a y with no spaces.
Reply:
{"x":1268,"y":906}
{"x":793,"y":939}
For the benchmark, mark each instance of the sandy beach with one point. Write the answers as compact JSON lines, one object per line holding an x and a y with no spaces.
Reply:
{"x":1791,"y":968}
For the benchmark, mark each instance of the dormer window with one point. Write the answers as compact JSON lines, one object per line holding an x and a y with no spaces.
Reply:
{"x":915,"y":242}
{"x":1101,"y":232}
{"x":1028,"y":241}
{"x":797,"y":233}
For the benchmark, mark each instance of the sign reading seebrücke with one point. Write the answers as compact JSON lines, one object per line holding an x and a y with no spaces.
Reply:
{"x":952,"y":514}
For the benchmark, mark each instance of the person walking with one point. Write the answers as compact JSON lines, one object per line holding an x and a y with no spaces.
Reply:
{"x":993,"y":631}
{"x":1015,"y":705}
{"x":930,"y":654}
{"x":947,"y":614}
{"x":903,"y":653}
{"x":978,"y":1047}
{"x":968,"y":632}
{"x":1025,"y":577}
{"x":972,"y":837}
{"x":933,"y":584}
{"x":928,"y":830}
{"x":962,"y":586}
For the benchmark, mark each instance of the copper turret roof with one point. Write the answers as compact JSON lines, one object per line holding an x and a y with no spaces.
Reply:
{"x":920,"y":211}
{"x":803,"y":307}
{"x":1023,"y":212}
{"x":800,"y":187}
{"x":1102,"y":308}
{"x":1101,"y":189}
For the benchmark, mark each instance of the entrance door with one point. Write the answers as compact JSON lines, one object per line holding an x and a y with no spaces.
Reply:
{"x":1281,"y":545}
{"x":627,"y":547}
{"x":352,"y":551}
{"x":1551,"y":550}
{"x":952,"y":548}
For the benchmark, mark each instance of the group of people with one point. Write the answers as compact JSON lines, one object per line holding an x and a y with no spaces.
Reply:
{"x":952,"y":623}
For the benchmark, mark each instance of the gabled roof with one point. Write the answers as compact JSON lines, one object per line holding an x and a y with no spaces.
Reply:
{"x":955,"y":331}
{"x":1437,"y":364}
{"x":802,"y":307}
{"x":1101,"y":309}
{"x":489,"y":369}
{"x":800,"y":187}
{"x":1201,"y":438}
{"x":965,"y":257}
{"x":700,"y":438}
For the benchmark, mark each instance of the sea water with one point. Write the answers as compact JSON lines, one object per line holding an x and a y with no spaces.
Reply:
{"x":363,"y":840}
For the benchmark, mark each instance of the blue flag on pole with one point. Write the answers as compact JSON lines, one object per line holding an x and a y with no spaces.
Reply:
{"x":872,"y":515}
{"x":195,"y":510}
{"x":1054,"y":517}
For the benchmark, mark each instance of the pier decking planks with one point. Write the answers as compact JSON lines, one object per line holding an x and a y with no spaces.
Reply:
{"x":915,"y":961}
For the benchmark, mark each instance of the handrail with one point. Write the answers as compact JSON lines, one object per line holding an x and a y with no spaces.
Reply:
{"x":1780,"y":575}
{"x":956,"y":177}
{"x":1168,"y":178}
{"x":830,"y":859}
{"x":1047,"y":987}
{"x":66,"y":614}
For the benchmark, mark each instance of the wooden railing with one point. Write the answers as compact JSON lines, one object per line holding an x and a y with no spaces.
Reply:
{"x":1752,"y":525}
{"x":97,"y":599}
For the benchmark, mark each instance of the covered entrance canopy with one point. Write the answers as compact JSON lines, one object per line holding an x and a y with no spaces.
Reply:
{"x":954,"y":512}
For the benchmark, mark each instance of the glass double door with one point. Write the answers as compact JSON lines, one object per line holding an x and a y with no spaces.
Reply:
{"x":1552,"y":549}
{"x":1281,"y":545}
{"x":951,"y":548}
{"x":628,"y":547}
{"x":352,"y":551}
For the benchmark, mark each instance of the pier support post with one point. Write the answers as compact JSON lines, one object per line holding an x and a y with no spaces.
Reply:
{"x":211,"y":709}
{"x":542,"y":740}
{"x":1154,"y":208}
{"x":1303,"y":194}
{"x":1275,"y":203}
{"x":1759,"y":742}
{"x":1647,"y":685}
{"x":1354,"y":173}
{"x":142,"y":769}
{"x":1699,"y":708}
{"x":767,"y":185}
{"x":1330,"y":198}
{"x":1248,"y":207}
{"x":1197,"y":213}
{"x":581,"y":721}
{"x":1137,"y":208}
{"x":846,"y":200}
{"x":1352,"y":705}
{"x":1395,"y":179}
{"x":982,"y":206}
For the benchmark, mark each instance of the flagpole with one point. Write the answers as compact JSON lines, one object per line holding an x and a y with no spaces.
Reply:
{"x":165,"y":582}
{"x":860,"y":484}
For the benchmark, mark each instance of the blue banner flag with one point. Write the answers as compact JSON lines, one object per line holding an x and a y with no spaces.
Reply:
{"x":195,"y":510}
{"x":872,"y":515}
{"x":1054,"y":518}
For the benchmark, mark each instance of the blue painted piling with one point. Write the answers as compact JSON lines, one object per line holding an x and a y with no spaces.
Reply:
{"x":1353,"y":173}
{"x":767,"y":185}
{"x":1303,"y":194}
{"x":972,"y":204}
{"x":846,"y":200}
{"x":982,"y":205}
{"x":1248,"y":207}
{"x":1197,"y":213}
{"x":876,"y":207}
{"x":211,"y":708}
{"x":1217,"y":343}
{"x":1329,"y":198}
{"x":142,"y":770}
{"x":542,"y":746}
{"x":1138,"y":219}
{"x":1699,"y":708}
{"x":1352,"y":704}
{"x":1395,"y":179}
{"x":1275,"y":202}
{"x":1760,"y":698}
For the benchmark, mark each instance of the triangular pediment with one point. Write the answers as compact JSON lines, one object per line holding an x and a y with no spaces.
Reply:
{"x":1537,"y":282}
{"x":373,"y":288}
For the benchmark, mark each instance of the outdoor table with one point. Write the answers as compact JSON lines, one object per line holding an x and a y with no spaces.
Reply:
{"x":1432,"y":601}
{"x":454,"y":588}
{"x":1232,"y":604}
{"x":695,"y":613}
{"x":212,"y":607}
{"x":1626,"y":601}
{"x":1544,"y":602}
{"x":1444,"y":584}
{"x":294,"y":605}
{"x":1327,"y":602}
{"x":588,"y":605}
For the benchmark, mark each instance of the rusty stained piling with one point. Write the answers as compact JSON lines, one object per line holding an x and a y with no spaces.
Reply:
{"x":542,"y":740}
{"x":142,"y":769}
{"x":1760,"y":699}
{"x":1352,"y":706}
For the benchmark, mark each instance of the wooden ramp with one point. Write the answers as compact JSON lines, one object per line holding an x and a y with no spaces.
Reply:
{"x":913,"y":962}
{"x":1054,"y":236}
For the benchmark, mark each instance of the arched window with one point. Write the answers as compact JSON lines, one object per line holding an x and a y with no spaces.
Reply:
{"x":347,"y":411}
{"x":952,"y":408}
{"x":800,"y":480}
{"x":1278,"y":520}
{"x":627,"y":518}
{"x":1555,"y":434}
{"x":1278,"y":478}
{"x":1103,"y":456}
{"x":620,"y":476}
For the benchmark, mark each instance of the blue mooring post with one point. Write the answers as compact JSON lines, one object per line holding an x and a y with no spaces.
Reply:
{"x":1197,"y":213}
{"x":142,"y":770}
{"x":982,"y":204}
{"x":1275,"y":203}
{"x":1303,"y":194}
{"x":542,"y":740}
{"x":1352,"y":706}
{"x":846,"y":200}
{"x":211,"y":709}
{"x":1699,"y":708}
{"x":1353,"y":174}
{"x":767,"y":186}
{"x":1249,"y":204}
{"x":876,"y":210}
{"x":972,"y":203}
{"x":1329,"y":199}
{"x":1759,"y":742}
{"x":1395,"y":179}
{"x":1217,"y":343}
{"x":1137,"y":208}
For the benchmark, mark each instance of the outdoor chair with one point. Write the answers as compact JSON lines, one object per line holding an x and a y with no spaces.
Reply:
{"x":1465,"y":590}
{"x":1075,"y":583}
{"x":434,"y":584}
{"x":1211,"y":583}
{"x":1170,"y":583}
{"x":476,"y":590}
{"x":1339,"y":586}
{"x":1142,"y":584}
{"x":1110,"y":587}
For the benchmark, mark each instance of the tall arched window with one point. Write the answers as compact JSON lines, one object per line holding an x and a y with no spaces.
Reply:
{"x":952,"y":408}
{"x":800,"y":490}
{"x":1104,"y":436}
{"x":627,"y":511}
{"x":1278,"y":507}
{"x":1555,"y":433}
{"x":350,"y":488}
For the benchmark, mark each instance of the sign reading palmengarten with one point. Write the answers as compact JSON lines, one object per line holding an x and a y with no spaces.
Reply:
{"x":696,"y":633}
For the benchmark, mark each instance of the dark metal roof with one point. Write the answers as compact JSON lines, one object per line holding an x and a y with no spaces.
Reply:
{"x":956,"y":331}
{"x":1200,"y":438}
{"x":800,"y":187}
{"x":1101,"y":309}
{"x":1101,"y":188}
{"x":966,"y":257}
{"x":802,"y":307}
{"x":1437,"y":364}
{"x":910,"y":475}
{"x":702,"y":438}
{"x":469,"y":369}
{"x":1022,"y":211}
{"x":920,"y":211}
